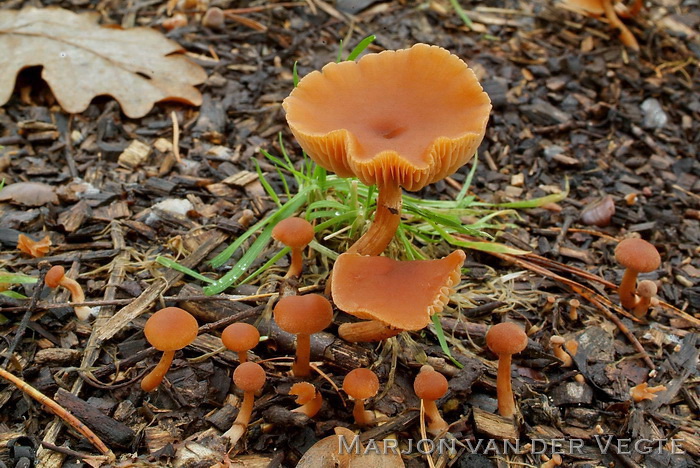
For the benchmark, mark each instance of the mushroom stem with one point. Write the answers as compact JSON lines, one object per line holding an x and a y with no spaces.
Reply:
{"x":504,"y":391}
{"x":437,"y":424}
{"x":296,"y":264}
{"x":386,"y":221}
{"x":308,"y":397}
{"x":155,"y":377}
{"x":243,"y":357}
{"x":301,"y":367}
{"x":627,"y":287}
{"x":241,"y":423}
{"x":367,"y":331}
{"x":362,"y":417}
{"x":626,"y":35}
{"x":76,"y":295}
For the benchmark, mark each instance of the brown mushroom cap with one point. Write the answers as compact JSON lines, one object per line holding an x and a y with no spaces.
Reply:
{"x":294,"y":232}
{"x":647,"y":288}
{"x":306,"y":314}
{"x":240,"y":337}
{"x":506,"y":338}
{"x":170,"y":329}
{"x":54,"y":275}
{"x":249,"y":377}
{"x":384,"y":116}
{"x":361,"y":384}
{"x":430,"y":384}
{"x":638,"y":255}
{"x":401,"y":294}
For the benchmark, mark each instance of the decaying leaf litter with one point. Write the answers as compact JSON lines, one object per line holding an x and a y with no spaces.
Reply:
{"x":569,"y":101}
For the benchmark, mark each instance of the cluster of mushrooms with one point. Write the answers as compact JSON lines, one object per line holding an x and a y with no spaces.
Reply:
{"x":408,"y":127}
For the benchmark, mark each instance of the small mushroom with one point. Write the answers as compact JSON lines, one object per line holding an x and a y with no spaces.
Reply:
{"x":361,"y":384}
{"x":214,"y":19}
{"x":643,"y":392}
{"x":250,"y":378}
{"x":600,"y":7}
{"x":431,"y":386}
{"x":402,"y":138}
{"x":167,"y":330}
{"x":557,"y":343}
{"x":303,"y":316}
{"x":637,"y":256}
{"x":574,"y":304}
{"x":56,"y":277}
{"x":240,"y":337}
{"x":393,"y":295}
{"x":295,"y":233}
{"x":307,"y":396}
{"x":36,"y":249}
{"x":504,"y":340}
{"x":646,"y":291}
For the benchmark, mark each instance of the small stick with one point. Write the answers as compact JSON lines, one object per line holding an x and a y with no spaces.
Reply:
{"x":59,"y":411}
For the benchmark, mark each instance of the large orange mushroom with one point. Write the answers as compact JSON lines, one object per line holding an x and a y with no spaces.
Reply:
{"x":390,"y":120}
{"x":393,"y":295}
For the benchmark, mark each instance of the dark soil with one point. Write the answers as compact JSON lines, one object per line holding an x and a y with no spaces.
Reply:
{"x":570,"y":105}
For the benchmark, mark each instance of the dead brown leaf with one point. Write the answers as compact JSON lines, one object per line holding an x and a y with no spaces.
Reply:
{"x":81,"y":60}
{"x":29,"y":194}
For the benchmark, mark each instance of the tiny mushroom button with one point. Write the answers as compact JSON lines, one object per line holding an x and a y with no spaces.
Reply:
{"x":167,"y":330}
{"x":504,"y":340}
{"x":240,"y":337}
{"x":249,"y":377}
{"x":361,"y":384}
{"x":303,"y":316}
{"x":295,"y":233}
{"x":429,"y":387}
{"x":637,"y":256}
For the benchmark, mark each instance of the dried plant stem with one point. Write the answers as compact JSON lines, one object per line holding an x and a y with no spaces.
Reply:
{"x":59,"y":411}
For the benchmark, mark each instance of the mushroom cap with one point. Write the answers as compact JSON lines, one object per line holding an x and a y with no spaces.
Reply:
{"x":506,"y":338}
{"x":304,"y":391}
{"x":54,"y":275}
{"x":401,"y":294}
{"x":430,"y":384}
{"x":249,"y":377}
{"x":647,"y":288}
{"x":171,"y":329}
{"x":391,"y":116}
{"x":306,"y":314}
{"x":594,"y":7}
{"x":240,"y":337}
{"x":638,"y":255}
{"x":294,"y":232}
{"x":361,"y":384}
{"x":557,"y":340}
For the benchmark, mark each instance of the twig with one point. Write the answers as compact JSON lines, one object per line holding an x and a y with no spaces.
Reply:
{"x":59,"y":411}
{"x":27,"y":314}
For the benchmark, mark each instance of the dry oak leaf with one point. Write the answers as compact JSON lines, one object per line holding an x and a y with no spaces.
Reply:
{"x":81,"y":60}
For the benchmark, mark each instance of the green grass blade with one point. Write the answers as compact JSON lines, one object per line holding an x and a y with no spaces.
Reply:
{"x":359,"y":48}
{"x":167,"y":262}
{"x":443,"y":342}
{"x":17,"y":278}
{"x":266,"y":185}
{"x":537,"y":202}
{"x":295,"y":74}
{"x":468,"y":180}
{"x":462,"y":14}
{"x":239,"y":269}
{"x":14,"y":295}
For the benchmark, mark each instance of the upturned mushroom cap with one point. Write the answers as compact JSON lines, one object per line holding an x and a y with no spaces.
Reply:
{"x":294,"y":232}
{"x":361,"y":384}
{"x":391,"y":116}
{"x":170,"y":329}
{"x":594,"y":7}
{"x":240,"y":337}
{"x":401,"y":294}
{"x":638,"y":255}
{"x":304,"y":391}
{"x":306,"y":314}
{"x":249,"y":377}
{"x":506,"y":338}
{"x":430,"y":384}
{"x":54,"y":275}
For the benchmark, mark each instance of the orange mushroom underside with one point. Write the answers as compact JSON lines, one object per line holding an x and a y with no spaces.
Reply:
{"x":401,"y":294}
{"x":390,"y":116}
